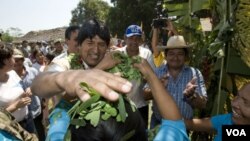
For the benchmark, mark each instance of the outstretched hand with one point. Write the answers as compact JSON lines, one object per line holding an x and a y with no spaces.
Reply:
{"x":105,"y":83}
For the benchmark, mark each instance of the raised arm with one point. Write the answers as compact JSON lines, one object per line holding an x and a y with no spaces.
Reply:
{"x":49,"y":84}
{"x":160,"y":95}
{"x":154,"y":42}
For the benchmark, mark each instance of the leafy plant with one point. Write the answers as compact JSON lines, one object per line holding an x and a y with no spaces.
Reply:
{"x":98,"y":108}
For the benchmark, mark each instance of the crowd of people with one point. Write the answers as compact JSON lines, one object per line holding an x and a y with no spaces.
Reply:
{"x":35,"y":74}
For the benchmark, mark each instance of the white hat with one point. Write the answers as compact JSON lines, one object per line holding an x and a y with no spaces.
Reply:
{"x":176,"y":41}
{"x":18,"y":53}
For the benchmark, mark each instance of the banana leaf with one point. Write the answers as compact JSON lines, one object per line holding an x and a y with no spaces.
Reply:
{"x":220,"y":100}
{"x":235,"y":64}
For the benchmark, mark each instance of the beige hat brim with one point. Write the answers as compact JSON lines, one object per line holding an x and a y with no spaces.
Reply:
{"x":173,"y":47}
{"x":18,"y":56}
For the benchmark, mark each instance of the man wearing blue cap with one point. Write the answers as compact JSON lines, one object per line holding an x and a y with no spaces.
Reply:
{"x":133,"y":39}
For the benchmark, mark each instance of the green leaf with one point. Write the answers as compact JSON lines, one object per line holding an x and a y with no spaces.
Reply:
{"x":121,"y":108}
{"x":74,"y":107}
{"x":94,"y":117}
{"x":87,"y":103}
{"x":97,"y":106}
{"x":128,"y":135}
{"x":88,"y":89}
{"x":118,"y":118}
{"x":105,"y":116}
{"x":133,"y":106}
{"x":78,"y":122}
{"x":67,"y":136}
{"x":112,"y":111}
{"x":215,"y":47}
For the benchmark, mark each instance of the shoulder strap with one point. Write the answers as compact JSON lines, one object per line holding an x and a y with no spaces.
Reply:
{"x":196,"y":74}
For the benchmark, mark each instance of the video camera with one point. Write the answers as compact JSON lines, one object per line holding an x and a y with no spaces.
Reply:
{"x":162,"y":15}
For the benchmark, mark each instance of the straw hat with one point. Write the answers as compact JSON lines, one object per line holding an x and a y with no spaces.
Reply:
{"x":176,"y":41}
{"x":18,"y":53}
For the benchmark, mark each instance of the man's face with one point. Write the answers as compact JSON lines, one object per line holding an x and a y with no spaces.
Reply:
{"x":175,"y":58}
{"x":72,"y":42}
{"x":18,"y":63}
{"x":133,"y":42}
{"x":93,"y":50}
{"x":241,"y":106}
{"x":58,"y":46}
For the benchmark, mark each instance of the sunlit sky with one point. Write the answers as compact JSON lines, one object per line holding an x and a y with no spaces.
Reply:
{"x":34,"y":15}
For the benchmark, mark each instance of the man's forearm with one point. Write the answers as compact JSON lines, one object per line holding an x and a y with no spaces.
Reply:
{"x":46,"y":84}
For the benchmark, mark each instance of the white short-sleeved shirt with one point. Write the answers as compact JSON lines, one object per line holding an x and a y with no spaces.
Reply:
{"x":136,"y":95}
{"x":10,"y":91}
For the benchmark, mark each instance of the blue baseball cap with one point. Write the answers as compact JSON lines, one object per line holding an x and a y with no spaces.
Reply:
{"x":133,"y":30}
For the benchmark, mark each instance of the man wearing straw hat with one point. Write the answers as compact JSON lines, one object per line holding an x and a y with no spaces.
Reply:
{"x":185,"y":83}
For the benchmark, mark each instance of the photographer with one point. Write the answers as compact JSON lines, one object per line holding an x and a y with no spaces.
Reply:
{"x":159,"y":57}
{"x":185,"y":83}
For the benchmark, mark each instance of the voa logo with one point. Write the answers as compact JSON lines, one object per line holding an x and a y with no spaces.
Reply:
{"x":236,"y":132}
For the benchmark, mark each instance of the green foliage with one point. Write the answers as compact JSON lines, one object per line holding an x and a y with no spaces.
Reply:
{"x":153,"y":132}
{"x":127,"y":12}
{"x":6,"y":37}
{"x":98,"y":108}
{"x":126,"y":68}
{"x":75,"y":61}
{"x":87,"y":9}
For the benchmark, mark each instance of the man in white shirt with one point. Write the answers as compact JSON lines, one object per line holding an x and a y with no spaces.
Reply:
{"x":133,"y":38}
{"x":70,"y":40}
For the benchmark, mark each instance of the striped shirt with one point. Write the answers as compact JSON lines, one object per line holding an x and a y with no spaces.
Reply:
{"x":177,"y":86}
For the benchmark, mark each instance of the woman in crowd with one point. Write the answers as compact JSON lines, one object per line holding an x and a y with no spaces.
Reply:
{"x":13,"y":99}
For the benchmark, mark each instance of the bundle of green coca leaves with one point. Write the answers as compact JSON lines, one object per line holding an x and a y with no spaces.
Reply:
{"x":98,"y":108}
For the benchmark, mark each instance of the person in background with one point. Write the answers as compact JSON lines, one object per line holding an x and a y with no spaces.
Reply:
{"x":71,"y":41}
{"x":44,"y":47}
{"x":25,"y":48}
{"x":27,"y":74}
{"x":133,"y":37}
{"x":172,"y":126}
{"x":119,"y":43}
{"x":39,"y":65}
{"x":58,"y":45}
{"x":185,"y":83}
{"x":12,"y":96}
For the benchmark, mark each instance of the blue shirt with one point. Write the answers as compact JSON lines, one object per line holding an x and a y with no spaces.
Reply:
{"x":59,"y":121}
{"x":218,"y":121}
{"x":35,"y":108}
{"x":30,"y":75}
{"x":172,"y":131}
{"x":177,"y":86}
{"x":5,"y":136}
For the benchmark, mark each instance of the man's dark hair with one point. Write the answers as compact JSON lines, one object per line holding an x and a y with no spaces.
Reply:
{"x":91,"y":28}
{"x":5,"y":53}
{"x":69,"y":30}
